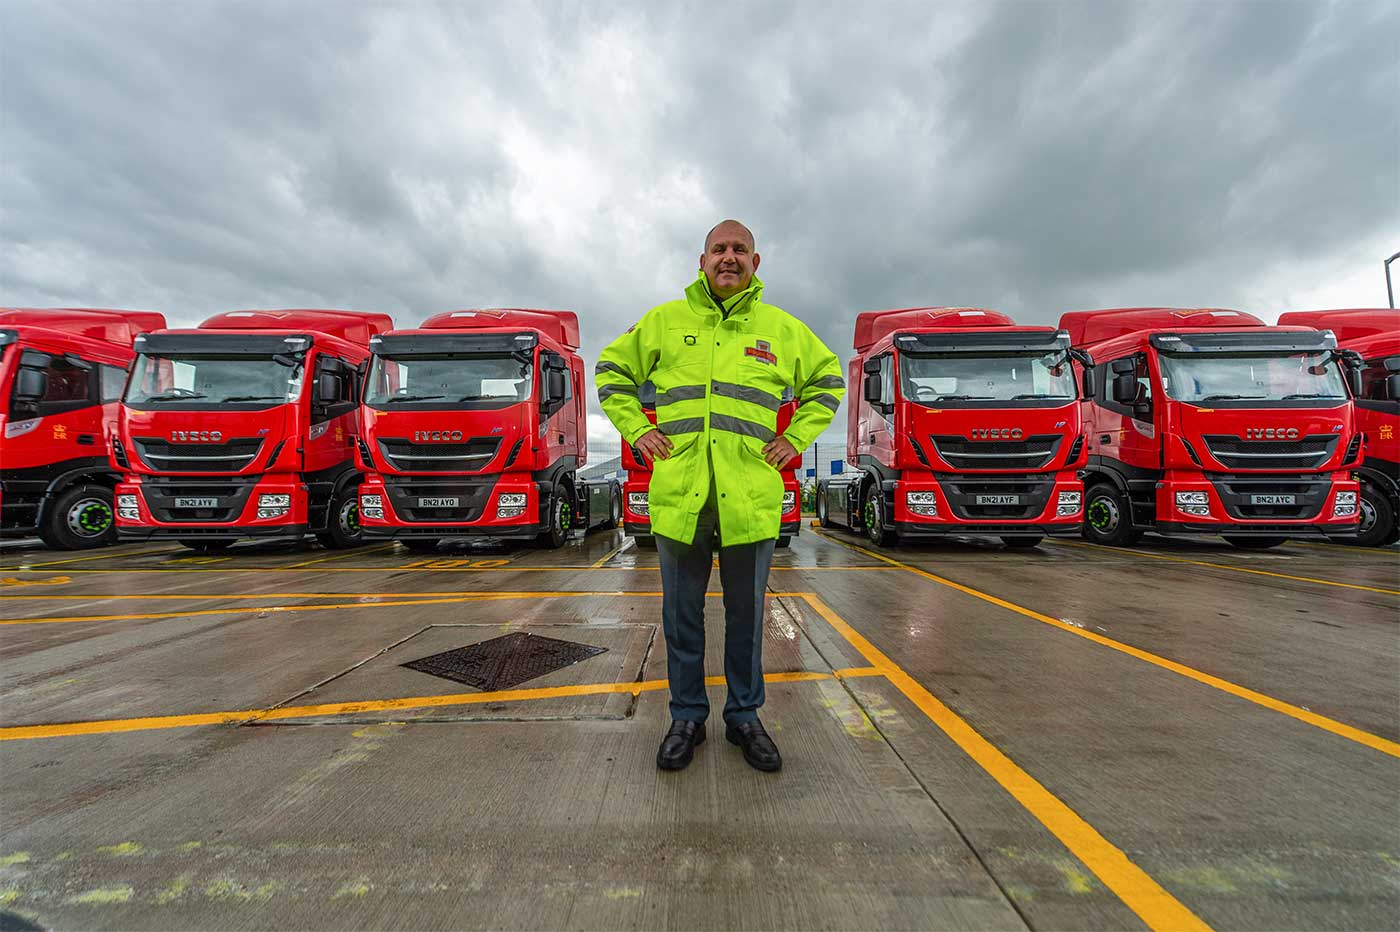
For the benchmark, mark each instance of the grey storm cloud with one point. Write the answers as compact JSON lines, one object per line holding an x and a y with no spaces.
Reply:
{"x":413,"y":158}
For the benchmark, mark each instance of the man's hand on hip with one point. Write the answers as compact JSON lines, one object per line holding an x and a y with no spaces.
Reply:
{"x":654,"y":445}
{"x":779,"y":451}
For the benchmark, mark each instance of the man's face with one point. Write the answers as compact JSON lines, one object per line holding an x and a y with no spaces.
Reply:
{"x":729,"y":260}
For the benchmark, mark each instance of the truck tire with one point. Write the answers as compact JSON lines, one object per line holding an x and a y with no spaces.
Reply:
{"x":79,"y":518}
{"x":207,"y":544}
{"x":343,"y":521}
{"x":419,"y":544}
{"x":1253,"y":543}
{"x":1107,"y":517}
{"x":823,"y":519}
{"x":1023,"y":543}
{"x":614,"y":509}
{"x":873,"y":511}
{"x":560,"y":517}
{"x":645,"y":542}
{"x":783,"y":543}
{"x":1378,"y":525}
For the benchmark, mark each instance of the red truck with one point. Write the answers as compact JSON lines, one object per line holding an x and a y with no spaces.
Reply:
{"x":637,"y":515}
{"x":244,"y":427}
{"x":1374,"y":335}
{"x":967,"y":423}
{"x":474,"y":426}
{"x":1207,"y":421}
{"x":61,"y":375}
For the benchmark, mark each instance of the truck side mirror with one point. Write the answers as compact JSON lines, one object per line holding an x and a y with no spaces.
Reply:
{"x":1353,"y":377}
{"x":1088,"y":383}
{"x":31,"y":384}
{"x":872,"y":388}
{"x":554,"y":386}
{"x":1392,"y":387}
{"x":327,"y":388}
{"x":1125,"y":388}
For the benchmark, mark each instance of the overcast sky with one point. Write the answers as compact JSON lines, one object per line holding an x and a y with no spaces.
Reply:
{"x":1033,"y":157}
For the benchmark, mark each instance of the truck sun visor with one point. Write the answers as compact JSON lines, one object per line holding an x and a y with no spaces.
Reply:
{"x":449,"y":344}
{"x":1023,"y":341}
{"x":215,"y":343}
{"x":1256,"y":341}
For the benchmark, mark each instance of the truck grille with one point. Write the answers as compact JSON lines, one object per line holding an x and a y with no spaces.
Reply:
{"x":472,"y":456}
{"x":229,"y":456}
{"x":1305,"y":453}
{"x":1031,"y":453}
{"x":1309,"y":495}
{"x":472,"y":495}
{"x":230,"y":496}
{"x":962,"y":493}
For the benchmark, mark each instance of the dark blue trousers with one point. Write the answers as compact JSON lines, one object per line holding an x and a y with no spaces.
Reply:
{"x":685,"y":577}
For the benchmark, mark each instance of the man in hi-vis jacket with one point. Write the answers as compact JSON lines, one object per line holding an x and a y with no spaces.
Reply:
{"x":720,"y":359}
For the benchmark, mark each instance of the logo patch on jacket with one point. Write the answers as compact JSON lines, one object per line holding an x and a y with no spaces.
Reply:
{"x":762,"y":351}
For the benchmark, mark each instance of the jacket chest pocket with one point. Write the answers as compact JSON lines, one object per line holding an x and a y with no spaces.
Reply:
{"x":686,"y":346}
{"x":759,"y":361}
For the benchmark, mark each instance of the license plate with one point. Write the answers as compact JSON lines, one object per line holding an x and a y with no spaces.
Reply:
{"x":1273,"y":500}
{"x":998,"y":499}
{"x":437,"y":503}
{"x":196,"y":503}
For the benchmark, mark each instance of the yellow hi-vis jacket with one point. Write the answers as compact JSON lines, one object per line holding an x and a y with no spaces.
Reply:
{"x":719,"y":383}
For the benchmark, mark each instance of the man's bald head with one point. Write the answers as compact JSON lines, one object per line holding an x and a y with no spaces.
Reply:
{"x":730,"y":259}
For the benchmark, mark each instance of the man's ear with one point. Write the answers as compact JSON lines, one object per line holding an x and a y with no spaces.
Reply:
{"x":756,"y":259}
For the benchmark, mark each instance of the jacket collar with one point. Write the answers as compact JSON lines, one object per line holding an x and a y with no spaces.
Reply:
{"x":698,"y":296}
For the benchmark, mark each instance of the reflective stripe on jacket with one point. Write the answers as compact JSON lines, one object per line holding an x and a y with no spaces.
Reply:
{"x":719,"y":383}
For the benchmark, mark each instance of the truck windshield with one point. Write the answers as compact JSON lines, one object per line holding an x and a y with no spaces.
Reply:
{"x":1213,"y":377}
{"x":194,"y":383}
{"x":406,"y":382}
{"x":978,"y":379}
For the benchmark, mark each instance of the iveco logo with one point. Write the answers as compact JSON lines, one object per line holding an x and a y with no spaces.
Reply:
{"x":194,"y":436}
{"x":437,"y":435}
{"x":996,"y":433}
{"x":1271,"y":433}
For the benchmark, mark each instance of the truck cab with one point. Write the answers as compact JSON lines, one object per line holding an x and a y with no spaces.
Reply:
{"x":637,"y":514}
{"x":244,"y":428}
{"x":1206,"y":421}
{"x":967,"y":423}
{"x":474,"y":426}
{"x":61,"y":376}
{"x":1373,"y":334}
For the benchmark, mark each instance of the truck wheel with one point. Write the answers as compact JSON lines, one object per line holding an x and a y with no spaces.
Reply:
{"x":419,"y":544}
{"x":783,"y":543}
{"x":645,"y":542}
{"x":344,"y":528}
{"x":207,"y":544}
{"x":614,"y":510}
{"x":79,"y":518}
{"x":822,"y":518}
{"x":1023,"y":543}
{"x":873,"y":511}
{"x":1253,"y":543}
{"x":1378,"y":525}
{"x":1106,"y":517}
{"x":561,"y":518}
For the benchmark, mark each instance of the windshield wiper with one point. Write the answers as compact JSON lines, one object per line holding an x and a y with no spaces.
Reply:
{"x":1231,"y":397}
{"x":254,"y":398}
{"x":414,"y":398}
{"x":1037,"y":396}
{"x":175,"y":396}
{"x":963,"y":398}
{"x":1312,"y":395}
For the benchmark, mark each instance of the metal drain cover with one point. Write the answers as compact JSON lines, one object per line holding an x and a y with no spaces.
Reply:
{"x":506,"y":661}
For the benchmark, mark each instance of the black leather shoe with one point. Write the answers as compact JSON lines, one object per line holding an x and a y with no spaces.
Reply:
{"x":759,"y":749}
{"x":678,"y":747}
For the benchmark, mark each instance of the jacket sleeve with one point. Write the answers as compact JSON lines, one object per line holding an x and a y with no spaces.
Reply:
{"x":623,"y":366}
{"x":818,"y":388}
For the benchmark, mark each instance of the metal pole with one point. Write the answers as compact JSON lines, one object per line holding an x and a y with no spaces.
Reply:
{"x":1390,"y":292}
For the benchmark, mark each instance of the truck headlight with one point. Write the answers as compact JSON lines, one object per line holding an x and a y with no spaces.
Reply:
{"x":1071,"y":498}
{"x":1192,"y":498}
{"x":1063,"y":511}
{"x":129,"y":501}
{"x":129,"y":514}
{"x":371,"y":501}
{"x":1346,"y":498}
{"x":637,"y":503}
{"x":789,"y":501}
{"x":374,"y":514}
{"x":1200,"y":511}
{"x":511,"y":499}
{"x":922,"y":503}
{"x":271,"y":512}
{"x":275,"y":500}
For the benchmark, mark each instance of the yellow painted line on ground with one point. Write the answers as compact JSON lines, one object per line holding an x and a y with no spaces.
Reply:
{"x":626,"y":542}
{"x":249,"y":716}
{"x":432,"y":569}
{"x":1227,"y":566}
{"x":1134,"y":886}
{"x":97,"y":556}
{"x":341,"y":556}
{"x":1269,"y":702}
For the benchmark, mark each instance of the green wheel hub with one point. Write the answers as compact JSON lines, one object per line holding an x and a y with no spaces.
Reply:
{"x":566,"y":516}
{"x":1100,"y":515}
{"x":350,"y":517}
{"x":90,"y":517}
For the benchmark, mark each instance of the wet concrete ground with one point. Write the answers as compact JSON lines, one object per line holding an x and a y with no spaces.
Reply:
{"x":1172,"y":736}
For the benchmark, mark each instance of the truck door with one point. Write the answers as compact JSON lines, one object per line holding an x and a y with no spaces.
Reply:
{"x":554,"y":412}
{"x":333,"y":403}
{"x":64,"y":424}
{"x":876,"y":433}
{"x":1127,"y":436}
